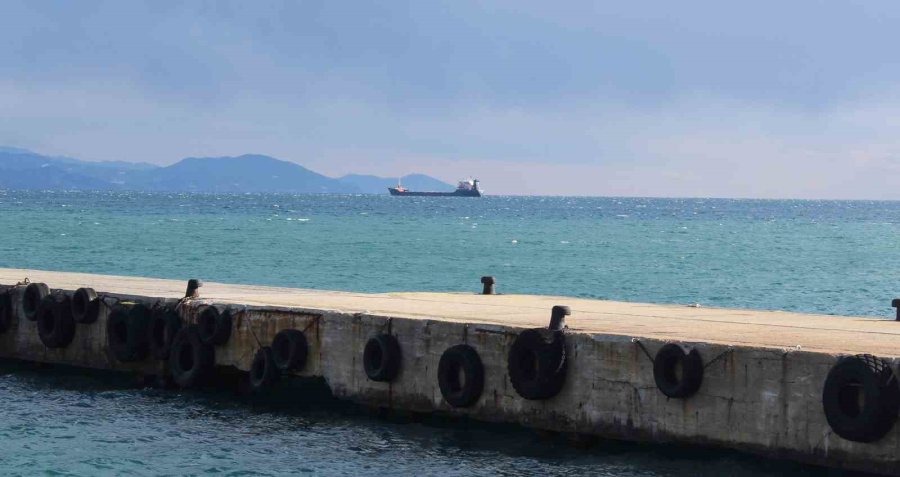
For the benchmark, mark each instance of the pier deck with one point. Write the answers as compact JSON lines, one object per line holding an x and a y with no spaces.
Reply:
{"x":762,"y":384}
{"x":753,"y":328}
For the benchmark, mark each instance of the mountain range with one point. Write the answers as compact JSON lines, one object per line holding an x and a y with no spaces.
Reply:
{"x":24,"y":169}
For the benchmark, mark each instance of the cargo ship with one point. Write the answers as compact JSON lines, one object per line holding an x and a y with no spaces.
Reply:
{"x":466,"y":188}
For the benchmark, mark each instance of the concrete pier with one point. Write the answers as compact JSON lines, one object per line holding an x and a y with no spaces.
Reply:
{"x":763,"y":373}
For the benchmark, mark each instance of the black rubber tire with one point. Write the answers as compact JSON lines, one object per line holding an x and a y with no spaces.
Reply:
{"x":6,"y":311}
{"x":31,"y":299}
{"x":191,"y":361}
{"x":289,"y":349}
{"x":44,"y":314}
{"x":66,"y":321}
{"x":861,"y":398}
{"x":164,"y":324}
{"x":666,"y":365}
{"x":85,"y":306}
{"x":127,"y":332}
{"x":382,"y":358}
{"x":263,"y":372}
{"x":117,"y":333}
{"x":56,"y":326}
{"x":214,"y":327}
{"x":537,"y":363}
{"x":461,"y":375}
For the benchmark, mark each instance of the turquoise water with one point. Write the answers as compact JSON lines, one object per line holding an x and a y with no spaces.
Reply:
{"x":814,"y":256}
{"x":825,"y":257}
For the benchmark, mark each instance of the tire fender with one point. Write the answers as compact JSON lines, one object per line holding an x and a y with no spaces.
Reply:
{"x":127,"y":334}
{"x":6,"y":311}
{"x":537,"y":363}
{"x":164,"y":325}
{"x":85,"y":305}
{"x":461,"y":375}
{"x":263,"y":372}
{"x":214,"y":327}
{"x":861,"y":398}
{"x":678,"y":372}
{"x":290,"y":350}
{"x":191,"y":360}
{"x":382,"y":358}
{"x":56,"y":326}
{"x":31,"y":299}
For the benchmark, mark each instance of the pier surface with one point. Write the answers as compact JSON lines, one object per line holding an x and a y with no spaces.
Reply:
{"x":762,"y":382}
{"x":762,"y":329}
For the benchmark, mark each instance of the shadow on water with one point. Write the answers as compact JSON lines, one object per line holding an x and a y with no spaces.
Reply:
{"x":354,"y":439}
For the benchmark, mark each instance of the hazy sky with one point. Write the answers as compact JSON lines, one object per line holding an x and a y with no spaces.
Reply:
{"x":734,"y":99}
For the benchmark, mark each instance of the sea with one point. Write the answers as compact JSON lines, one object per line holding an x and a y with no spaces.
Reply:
{"x":828,"y":257}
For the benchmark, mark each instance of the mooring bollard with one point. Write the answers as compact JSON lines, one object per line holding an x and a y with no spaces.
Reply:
{"x":192,"y":288}
{"x":896,"y":304}
{"x":558,"y":317}
{"x":488,"y":283}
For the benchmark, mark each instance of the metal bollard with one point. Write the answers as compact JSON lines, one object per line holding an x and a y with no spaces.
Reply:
{"x":192,"y":288}
{"x":558,"y":317}
{"x":488,"y":283}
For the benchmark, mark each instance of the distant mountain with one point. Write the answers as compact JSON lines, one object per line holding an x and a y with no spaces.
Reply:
{"x":116,"y":173}
{"x":247,"y":173}
{"x":23,"y":169}
{"x":379,"y":185}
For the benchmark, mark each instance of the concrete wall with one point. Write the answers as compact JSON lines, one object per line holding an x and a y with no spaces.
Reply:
{"x":766,"y":401}
{"x":88,"y":349}
{"x":756,"y":400}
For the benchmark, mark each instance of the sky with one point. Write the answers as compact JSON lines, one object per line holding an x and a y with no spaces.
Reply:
{"x":767,"y":99}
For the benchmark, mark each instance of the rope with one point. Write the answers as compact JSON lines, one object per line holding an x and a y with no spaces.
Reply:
{"x":720,"y":356}
{"x":708,"y":364}
{"x":105,"y":299}
{"x":179,"y":305}
{"x":250,"y":327}
{"x":643,"y":348}
{"x":314,"y":321}
{"x":497,"y":332}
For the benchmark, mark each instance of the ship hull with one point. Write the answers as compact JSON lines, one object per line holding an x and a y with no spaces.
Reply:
{"x":458,"y":193}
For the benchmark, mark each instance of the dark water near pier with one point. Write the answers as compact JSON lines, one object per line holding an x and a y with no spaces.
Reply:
{"x":57,"y":422}
{"x":814,"y":256}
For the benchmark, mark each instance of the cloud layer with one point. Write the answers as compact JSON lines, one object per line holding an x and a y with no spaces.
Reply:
{"x":646,"y":99}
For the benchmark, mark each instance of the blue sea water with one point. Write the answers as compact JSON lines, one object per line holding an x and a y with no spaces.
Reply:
{"x":814,"y":256}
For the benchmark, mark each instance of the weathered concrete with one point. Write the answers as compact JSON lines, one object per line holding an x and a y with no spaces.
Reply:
{"x":761,"y":392}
